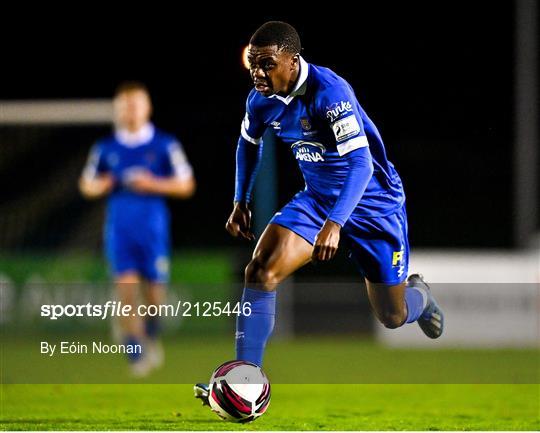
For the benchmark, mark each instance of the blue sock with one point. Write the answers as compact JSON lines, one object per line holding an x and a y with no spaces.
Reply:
{"x":152,"y":328}
{"x":416,"y":299}
{"x":132,"y":341}
{"x":253,"y":331}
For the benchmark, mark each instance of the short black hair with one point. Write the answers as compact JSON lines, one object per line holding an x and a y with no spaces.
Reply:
{"x":277,"y":33}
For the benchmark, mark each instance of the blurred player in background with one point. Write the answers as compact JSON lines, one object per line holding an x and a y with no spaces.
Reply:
{"x":352,"y":190}
{"x":137,"y":167}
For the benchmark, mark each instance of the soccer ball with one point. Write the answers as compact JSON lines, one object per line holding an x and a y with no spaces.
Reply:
{"x":239,"y":391}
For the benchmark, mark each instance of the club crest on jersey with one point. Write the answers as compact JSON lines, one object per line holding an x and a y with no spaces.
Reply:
{"x":306,"y":126}
{"x":338,"y":109}
{"x":308,"y":151}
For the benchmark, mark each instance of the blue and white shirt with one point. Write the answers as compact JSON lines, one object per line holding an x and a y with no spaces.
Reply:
{"x":123,"y":155}
{"x":322,"y":122}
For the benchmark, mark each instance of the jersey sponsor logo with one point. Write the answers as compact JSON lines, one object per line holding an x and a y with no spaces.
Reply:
{"x":338,"y":109}
{"x":346,"y":128}
{"x":308,"y":151}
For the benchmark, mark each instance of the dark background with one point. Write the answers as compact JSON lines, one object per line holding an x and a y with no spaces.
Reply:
{"x":436,"y":80}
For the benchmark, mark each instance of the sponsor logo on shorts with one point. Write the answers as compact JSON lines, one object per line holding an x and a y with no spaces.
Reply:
{"x":398,"y":261}
{"x":397,"y":258}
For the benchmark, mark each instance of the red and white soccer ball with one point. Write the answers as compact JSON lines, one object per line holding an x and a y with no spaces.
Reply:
{"x":239,"y":391}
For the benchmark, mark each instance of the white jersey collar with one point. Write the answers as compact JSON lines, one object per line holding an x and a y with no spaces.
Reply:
{"x":299,"y":88}
{"x":137,"y":138}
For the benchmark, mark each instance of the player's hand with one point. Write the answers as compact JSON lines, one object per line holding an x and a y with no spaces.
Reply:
{"x":142,"y":182}
{"x":239,"y":223}
{"x":97,"y":187}
{"x":326,"y":242}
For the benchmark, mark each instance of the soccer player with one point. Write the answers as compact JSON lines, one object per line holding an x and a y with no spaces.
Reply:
{"x":137,"y":167}
{"x":352,"y":191}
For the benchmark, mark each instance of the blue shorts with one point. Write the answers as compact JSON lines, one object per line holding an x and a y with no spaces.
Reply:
{"x":378,"y":245}
{"x":143,"y":251}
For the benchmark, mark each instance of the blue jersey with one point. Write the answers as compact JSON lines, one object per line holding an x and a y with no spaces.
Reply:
{"x":321,"y":121}
{"x":123,"y":156}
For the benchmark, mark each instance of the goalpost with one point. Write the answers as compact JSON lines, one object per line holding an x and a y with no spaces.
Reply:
{"x":56,"y":112}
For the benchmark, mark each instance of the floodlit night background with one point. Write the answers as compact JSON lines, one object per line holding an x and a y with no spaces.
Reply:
{"x":452,"y":88}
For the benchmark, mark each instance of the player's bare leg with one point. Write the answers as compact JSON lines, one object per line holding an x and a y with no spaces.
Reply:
{"x":410,"y":301}
{"x":388,"y":303}
{"x":278,"y":254}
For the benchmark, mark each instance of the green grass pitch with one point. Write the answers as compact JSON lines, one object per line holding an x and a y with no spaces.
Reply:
{"x":293,"y":407}
{"x":396,"y":404}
